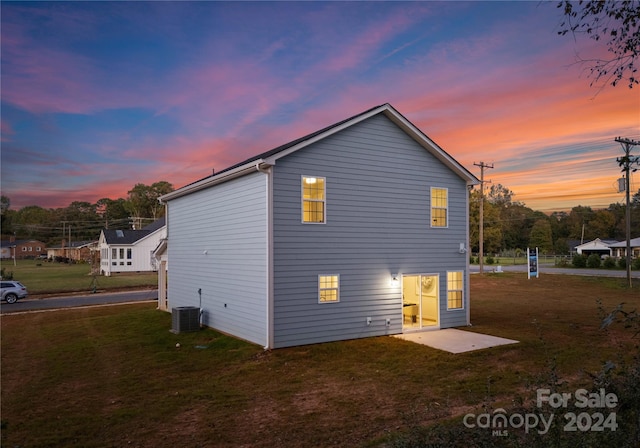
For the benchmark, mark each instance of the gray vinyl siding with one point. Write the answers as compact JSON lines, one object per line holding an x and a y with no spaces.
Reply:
{"x":229,"y":222}
{"x":378,"y":183}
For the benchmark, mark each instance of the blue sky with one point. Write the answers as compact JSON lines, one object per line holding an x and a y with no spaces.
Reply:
{"x":99,"y":96}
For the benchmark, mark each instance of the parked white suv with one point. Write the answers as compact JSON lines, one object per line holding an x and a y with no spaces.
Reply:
{"x":12,"y":291}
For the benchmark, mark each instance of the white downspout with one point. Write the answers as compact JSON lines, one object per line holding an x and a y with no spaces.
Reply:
{"x":269,"y":258}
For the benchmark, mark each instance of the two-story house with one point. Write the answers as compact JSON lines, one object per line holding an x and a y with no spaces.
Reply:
{"x":359,"y":229}
{"x":130,"y":250}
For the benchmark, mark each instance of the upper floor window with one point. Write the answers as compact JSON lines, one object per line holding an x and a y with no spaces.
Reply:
{"x":439,"y":207}
{"x":313,"y":199}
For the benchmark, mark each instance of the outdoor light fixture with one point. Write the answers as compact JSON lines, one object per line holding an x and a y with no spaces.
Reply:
{"x":462,"y":249}
{"x":394,"y":280}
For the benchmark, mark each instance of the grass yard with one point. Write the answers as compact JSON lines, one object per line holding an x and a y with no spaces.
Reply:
{"x":113,"y":376}
{"x":41,"y":277}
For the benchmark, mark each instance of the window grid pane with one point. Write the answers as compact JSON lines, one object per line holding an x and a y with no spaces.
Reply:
{"x":454,"y":289}
{"x":313,"y":199}
{"x":328,"y":288}
{"x":439,"y":204}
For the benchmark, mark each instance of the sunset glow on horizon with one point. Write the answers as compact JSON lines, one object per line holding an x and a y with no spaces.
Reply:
{"x":99,"y":96}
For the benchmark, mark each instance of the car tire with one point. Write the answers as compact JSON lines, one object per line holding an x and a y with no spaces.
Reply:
{"x":11,"y":298}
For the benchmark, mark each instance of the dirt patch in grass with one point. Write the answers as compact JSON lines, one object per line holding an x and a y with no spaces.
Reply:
{"x":114,"y":377}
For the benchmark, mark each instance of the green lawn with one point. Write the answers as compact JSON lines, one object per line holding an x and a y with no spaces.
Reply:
{"x":41,"y":277}
{"x":114,"y":376}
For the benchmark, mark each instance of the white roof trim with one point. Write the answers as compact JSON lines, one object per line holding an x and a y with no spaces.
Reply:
{"x":386,"y":109}
{"x":405,"y":125}
{"x":210,"y":181}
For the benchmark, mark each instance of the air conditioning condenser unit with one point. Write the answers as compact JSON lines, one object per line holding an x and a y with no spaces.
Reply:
{"x":185,"y":319}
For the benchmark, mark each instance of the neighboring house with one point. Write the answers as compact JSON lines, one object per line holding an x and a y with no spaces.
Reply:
{"x":130,"y":250}
{"x":620,"y":249}
{"x":357,"y":230}
{"x":597,"y":246}
{"x":22,"y":249}
{"x":77,"y":250}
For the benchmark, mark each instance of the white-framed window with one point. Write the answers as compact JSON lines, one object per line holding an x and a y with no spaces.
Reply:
{"x":328,"y":288}
{"x":313,"y":200}
{"x":30,"y":249}
{"x":455,"y":290}
{"x":122,"y":253}
{"x":439,"y":207}
{"x":24,"y":248}
{"x":129,"y":254}
{"x":114,"y":253}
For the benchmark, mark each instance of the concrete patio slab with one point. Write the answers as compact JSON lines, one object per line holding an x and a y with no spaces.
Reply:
{"x":455,"y":341}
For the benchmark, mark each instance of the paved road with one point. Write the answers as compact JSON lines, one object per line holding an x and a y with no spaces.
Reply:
{"x":553,"y":270}
{"x":78,"y":300}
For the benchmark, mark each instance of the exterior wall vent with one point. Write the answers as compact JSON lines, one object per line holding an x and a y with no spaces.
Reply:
{"x":185,"y":319}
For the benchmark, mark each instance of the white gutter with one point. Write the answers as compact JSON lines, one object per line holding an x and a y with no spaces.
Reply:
{"x":210,"y":181}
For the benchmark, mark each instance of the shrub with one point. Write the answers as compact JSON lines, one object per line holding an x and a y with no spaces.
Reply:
{"x":594,"y":261}
{"x":635,"y":264}
{"x":609,"y":263}
{"x":622,"y":263}
{"x":4,"y":275}
{"x":490,"y":260}
{"x":579,"y":261}
{"x":472,"y":260}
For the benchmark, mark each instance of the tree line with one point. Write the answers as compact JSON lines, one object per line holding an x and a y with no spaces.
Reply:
{"x":81,"y":220}
{"x":508,"y":224}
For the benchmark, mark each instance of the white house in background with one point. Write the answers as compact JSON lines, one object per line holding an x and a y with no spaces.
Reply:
{"x":620,"y":249}
{"x":597,"y":246}
{"x":359,"y":229}
{"x":130,"y":250}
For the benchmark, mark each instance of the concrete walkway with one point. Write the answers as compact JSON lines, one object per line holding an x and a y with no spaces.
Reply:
{"x":455,"y":341}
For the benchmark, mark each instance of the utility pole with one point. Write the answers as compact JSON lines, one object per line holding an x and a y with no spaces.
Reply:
{"x":482,"y":166}
{"x":626,"y":162}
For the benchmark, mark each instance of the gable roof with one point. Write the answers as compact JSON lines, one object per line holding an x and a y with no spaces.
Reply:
{"x":113,"y":236}
{"x":269,"y":158}
{"x":597,"y":243}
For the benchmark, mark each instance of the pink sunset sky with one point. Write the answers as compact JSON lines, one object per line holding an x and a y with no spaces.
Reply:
{"x":97,"y":97}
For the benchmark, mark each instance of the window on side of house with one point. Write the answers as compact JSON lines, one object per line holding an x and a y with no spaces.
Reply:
{"x":114,"y":253}
{"x":455,"y":288}
{"x":439,"y":207}
{"x":313,"y":200}
{"x":328,"y":288}
{"x":129,"y":254}
{"x":122,"y":253}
